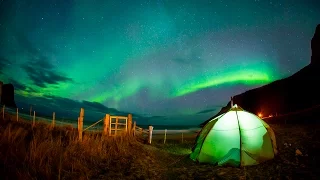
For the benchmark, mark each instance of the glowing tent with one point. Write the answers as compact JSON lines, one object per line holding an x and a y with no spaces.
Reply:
{"x":236,"y":138}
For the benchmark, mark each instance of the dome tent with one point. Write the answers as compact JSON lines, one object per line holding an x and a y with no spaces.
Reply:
{"x":236,"y":138}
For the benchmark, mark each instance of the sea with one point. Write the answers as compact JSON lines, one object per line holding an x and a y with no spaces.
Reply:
{"x":172,"y":129}
{"x":157,"y":129}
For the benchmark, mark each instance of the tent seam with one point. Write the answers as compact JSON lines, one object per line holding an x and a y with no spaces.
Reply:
{"x":274,"y":153}
{"x":240,"y":128}
{"x":239,"y":137}
{"x":207,"y":136}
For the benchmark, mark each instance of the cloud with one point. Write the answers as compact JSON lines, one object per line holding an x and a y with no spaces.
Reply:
{"x":3,"y":64}
{"x":181,"y":60}
{"x":193,"y":58}
{"x":42,"y":73}
{"x":99,"y":107}
{"x":19,"y":86}
{"x":39,"y":67}
{"x":24,"y":44}
{"x":68,"y":108}
{"x":206,"y":111}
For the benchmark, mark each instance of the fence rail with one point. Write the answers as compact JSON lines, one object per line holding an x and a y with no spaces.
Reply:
{"x":109,"y":126}
{"x":93,"y":124}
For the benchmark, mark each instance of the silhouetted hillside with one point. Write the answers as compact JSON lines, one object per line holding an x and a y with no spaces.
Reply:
{"x":294,"y":93}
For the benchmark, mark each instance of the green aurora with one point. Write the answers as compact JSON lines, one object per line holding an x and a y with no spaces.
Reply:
{"x":150,"y":57}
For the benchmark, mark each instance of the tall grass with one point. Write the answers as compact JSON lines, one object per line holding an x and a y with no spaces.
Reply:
{"x":55,"y":153}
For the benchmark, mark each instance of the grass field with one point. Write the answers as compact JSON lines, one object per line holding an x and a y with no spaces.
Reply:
{"x":45,"y":153}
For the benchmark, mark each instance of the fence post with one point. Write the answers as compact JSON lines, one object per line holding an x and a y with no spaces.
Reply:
{"x":134,"y":128}
{"x":80,"y":123}
{"x":150,"y":134}
{"x":165,"y":136}
{"x":3,"y":108}
{"x":116,"y":126}
{"x":30,"y":111}
{"x":129,"y":124}
{"x":34,"y":118}
{"x":53,"y":119}
{"x":17,"y":114}
{"x":182,"y":137}
{"x":106,"y":124}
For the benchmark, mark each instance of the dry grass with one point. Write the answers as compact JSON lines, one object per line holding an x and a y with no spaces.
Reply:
{"x":45,"y":153}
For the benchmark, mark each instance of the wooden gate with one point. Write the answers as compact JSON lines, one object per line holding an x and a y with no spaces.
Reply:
{"x":118,"y":125}
{"x":112,"y":126}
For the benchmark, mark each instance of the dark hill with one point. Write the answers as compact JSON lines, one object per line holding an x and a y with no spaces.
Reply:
{"x":295,"y":93}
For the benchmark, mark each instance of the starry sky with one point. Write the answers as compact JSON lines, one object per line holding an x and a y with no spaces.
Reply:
{"x":167,"y":62}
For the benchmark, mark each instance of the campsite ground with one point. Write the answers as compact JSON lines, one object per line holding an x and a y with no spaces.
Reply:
{"x":287,"y":165}
{"x":44,"y":153}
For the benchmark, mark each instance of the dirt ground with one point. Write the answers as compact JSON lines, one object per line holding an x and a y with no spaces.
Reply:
{"x":286,"y":165}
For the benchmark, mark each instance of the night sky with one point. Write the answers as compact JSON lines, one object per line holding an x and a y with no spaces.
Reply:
{"x":168,"y":62}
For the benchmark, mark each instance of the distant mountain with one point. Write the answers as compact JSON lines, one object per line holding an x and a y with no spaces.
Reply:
{"x":7,"y":95}
{"x":294,"y":93}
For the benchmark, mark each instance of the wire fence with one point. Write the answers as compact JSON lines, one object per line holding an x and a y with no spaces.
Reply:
{"x":59,"y":121}
{"x":91,"y":126}
{"x":97,"y":125}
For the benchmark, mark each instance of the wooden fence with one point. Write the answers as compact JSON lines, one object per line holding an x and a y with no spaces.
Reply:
{"x":112,"y":125}
{"x":144,"y":133}
{"x":176,"y":136}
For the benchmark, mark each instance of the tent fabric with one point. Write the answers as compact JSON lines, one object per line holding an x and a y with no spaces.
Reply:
{"x":235,"y":138}
{"x":272,"y":136}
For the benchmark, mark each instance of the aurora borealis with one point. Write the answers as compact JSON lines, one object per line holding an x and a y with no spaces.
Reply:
{"x":172,"y":62}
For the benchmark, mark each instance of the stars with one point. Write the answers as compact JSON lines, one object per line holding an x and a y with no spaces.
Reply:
{"x":212,"y":41}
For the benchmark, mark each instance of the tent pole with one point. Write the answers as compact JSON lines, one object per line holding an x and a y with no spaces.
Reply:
{"x":231,"y":102}
{"x":240,"y":138}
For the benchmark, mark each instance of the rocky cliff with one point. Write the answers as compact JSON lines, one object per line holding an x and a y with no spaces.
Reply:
{"x":7,"y":95}
{"x":315,"y":47}
{"x":294,"y":93}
